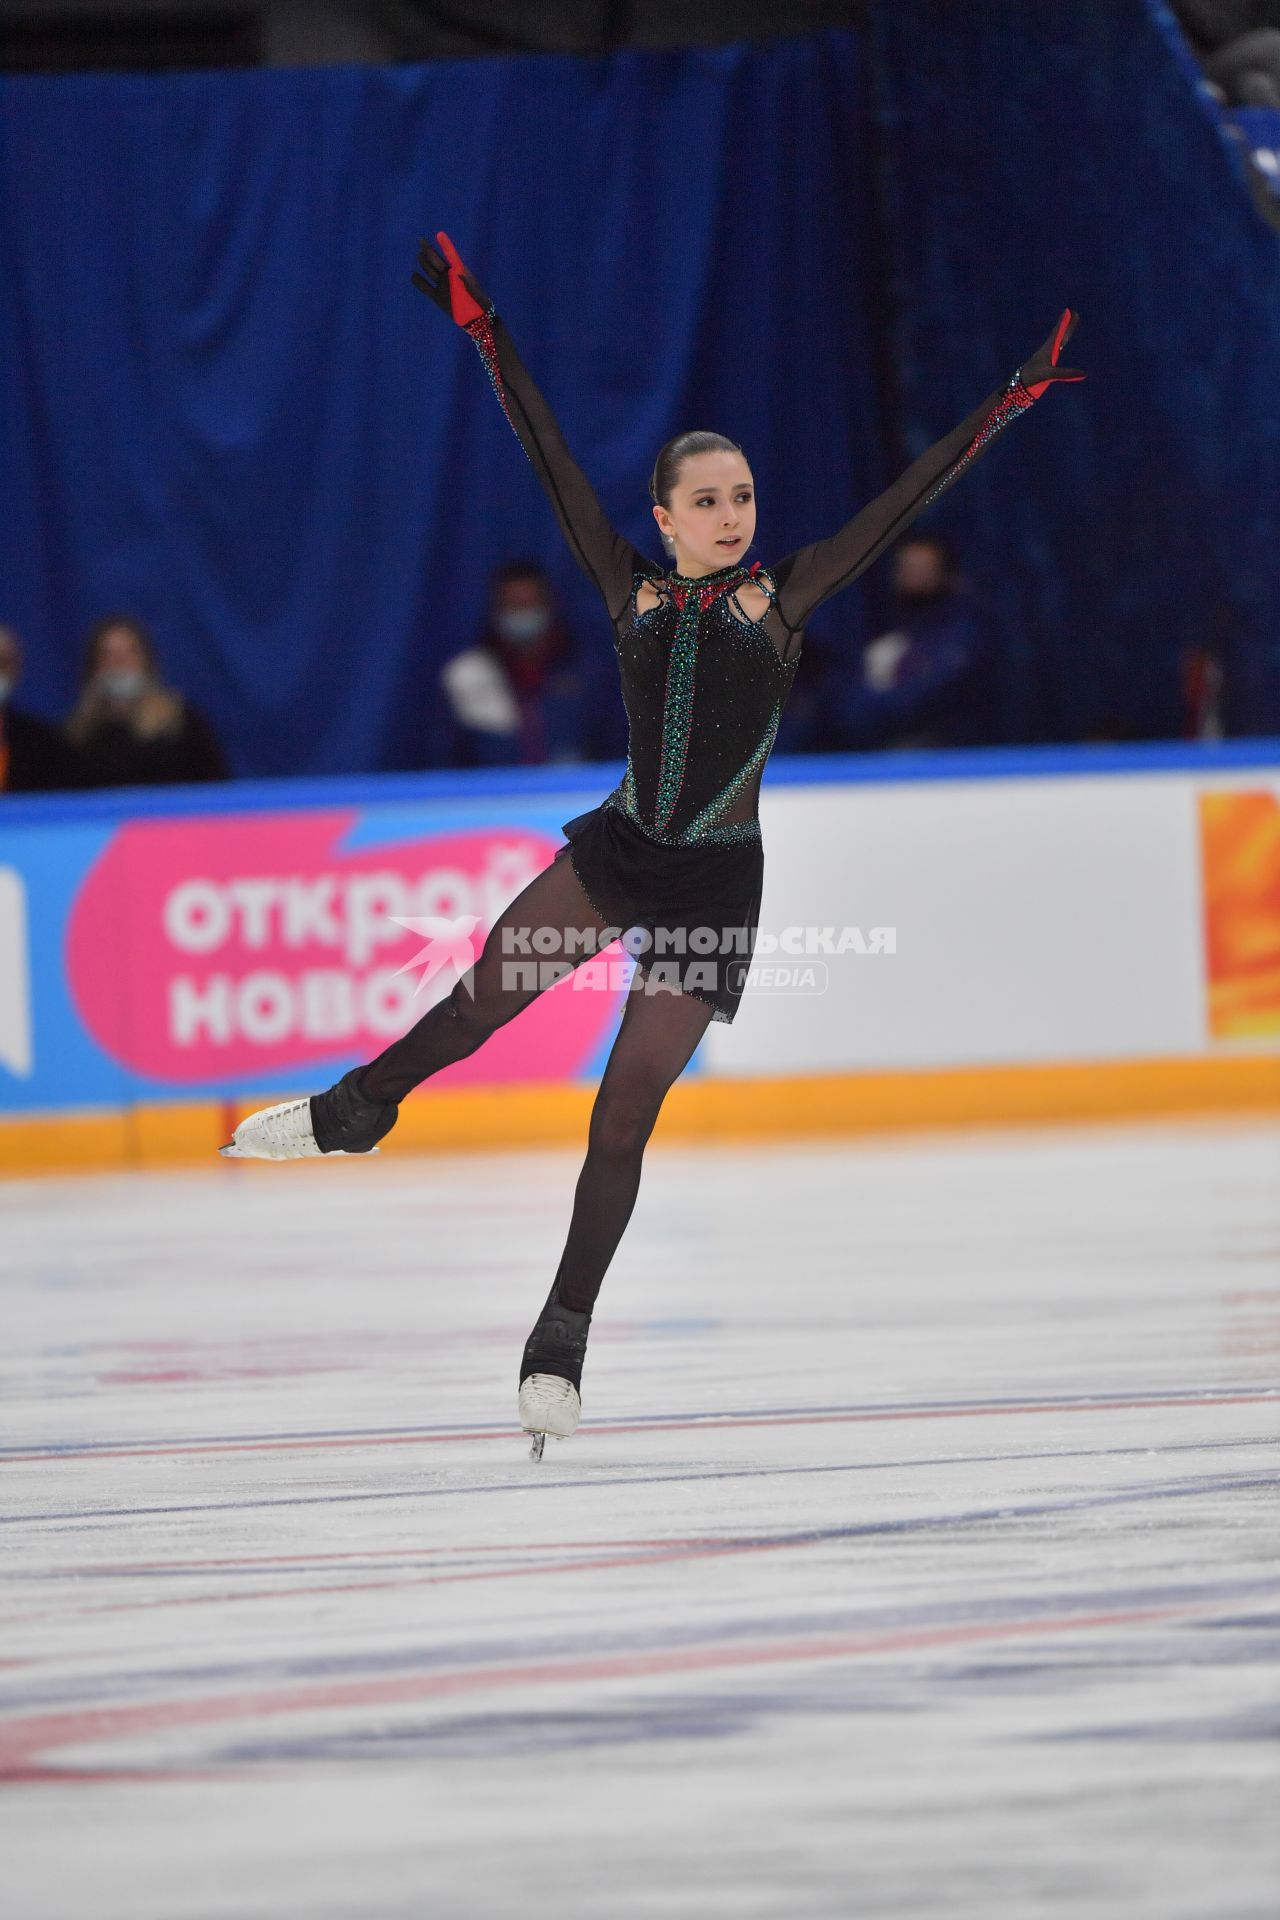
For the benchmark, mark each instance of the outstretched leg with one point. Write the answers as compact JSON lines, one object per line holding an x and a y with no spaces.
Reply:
{"x":510,"y":973}
{"x":548,"y":930}
{"x":655,"y":1043}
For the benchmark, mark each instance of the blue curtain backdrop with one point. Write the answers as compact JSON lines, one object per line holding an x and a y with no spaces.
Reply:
{"x":222,"y":405}
{"x":226,"y":407}
{"x":1061,"y":154}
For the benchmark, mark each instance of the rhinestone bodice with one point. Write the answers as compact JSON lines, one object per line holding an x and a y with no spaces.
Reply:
{"x":704,"y":688}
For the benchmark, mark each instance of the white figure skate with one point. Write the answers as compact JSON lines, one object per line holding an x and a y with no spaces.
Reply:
{"x":274,"y":1133}
{"x":548,"y":1404}
{"x":348,"y":1121}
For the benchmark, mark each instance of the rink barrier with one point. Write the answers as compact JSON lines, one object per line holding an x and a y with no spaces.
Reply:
{"x":1071,"y":933}
{"x":482,"y":1119}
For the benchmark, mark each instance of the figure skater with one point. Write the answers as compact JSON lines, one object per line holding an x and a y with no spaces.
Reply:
{"x":707,"y":649}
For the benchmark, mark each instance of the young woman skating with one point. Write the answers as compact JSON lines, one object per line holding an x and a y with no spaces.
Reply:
{"x":707,"y":650}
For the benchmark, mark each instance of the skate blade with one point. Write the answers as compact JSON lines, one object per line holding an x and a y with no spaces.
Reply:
{"x":539,"y":1442}
{"x":232,"y":1152}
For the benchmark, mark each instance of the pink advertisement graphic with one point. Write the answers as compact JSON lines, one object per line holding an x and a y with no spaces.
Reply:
{"x":202,"y":950}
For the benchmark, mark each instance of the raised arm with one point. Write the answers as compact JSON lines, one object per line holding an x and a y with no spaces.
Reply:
{"x":604,"y":556}
{"x":812,"y":575}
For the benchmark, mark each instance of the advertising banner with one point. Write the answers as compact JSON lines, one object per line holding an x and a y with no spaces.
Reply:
{"x":201,"y":956}
{"x":219,"y":949}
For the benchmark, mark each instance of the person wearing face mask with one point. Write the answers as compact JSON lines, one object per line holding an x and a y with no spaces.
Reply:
{"x":33,"y":758}
{"x":927,"y":683}
{"x":130,"y":730}
{"x":514,"y":699}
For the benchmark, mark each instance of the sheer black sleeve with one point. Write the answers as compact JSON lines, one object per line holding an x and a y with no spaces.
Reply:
{"x":605,"y":557}
{"x":807,"y":578}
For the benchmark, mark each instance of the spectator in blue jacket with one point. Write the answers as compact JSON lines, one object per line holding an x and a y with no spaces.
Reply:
{"x":929,"y":681}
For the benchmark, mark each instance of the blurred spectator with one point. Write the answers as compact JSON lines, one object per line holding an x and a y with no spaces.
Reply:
{"x":33,"y":755}
{"x":930,"y":681}
{"x":128,"y":728}
{"x":1202,"y":694}
{"x":515,"y":697}
{"x":477,"y":722}
{"x":1238,"y":44}
{"x":825,"y":689}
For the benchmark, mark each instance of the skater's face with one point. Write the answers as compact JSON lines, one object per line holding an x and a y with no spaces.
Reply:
{"x":711,"y":514}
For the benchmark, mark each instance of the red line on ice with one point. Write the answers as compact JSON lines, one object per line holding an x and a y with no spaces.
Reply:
{"x":660,"y":1553}
{"x":25,"y":1743}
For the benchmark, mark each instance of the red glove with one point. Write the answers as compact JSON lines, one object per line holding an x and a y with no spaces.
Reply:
{"x":1042,"y":369}
{"x":445,"y":280}
{"x":1020,"y":393}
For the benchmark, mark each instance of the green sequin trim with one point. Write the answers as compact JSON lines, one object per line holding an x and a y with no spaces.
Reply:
{"x":677,"y":709}
{"x":697,"y":828}
{"x":693,"y":599}
{"x":734,"y":833}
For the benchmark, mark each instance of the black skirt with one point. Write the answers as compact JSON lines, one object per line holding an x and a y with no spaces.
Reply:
{"x":688,"y":915}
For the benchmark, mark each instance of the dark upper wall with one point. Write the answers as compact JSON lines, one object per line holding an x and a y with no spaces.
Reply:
{"x":154,"y":35}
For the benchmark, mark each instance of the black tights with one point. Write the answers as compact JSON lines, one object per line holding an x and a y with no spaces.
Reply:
{"x":653,"y":1046}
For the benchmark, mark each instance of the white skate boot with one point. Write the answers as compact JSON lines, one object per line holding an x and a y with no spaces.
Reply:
{"x":548,"y":1404}
{"x":274,"y":1133}
{"x":551,"y":1373}
{"x":343,"y":1120}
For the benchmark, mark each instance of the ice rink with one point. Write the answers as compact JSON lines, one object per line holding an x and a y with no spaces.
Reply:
{"x":918,"y":1554}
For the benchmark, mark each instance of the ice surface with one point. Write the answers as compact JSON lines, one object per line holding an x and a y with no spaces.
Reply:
{"x":919,"y":1553}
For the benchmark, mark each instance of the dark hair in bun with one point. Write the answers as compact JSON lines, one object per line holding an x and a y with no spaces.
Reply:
{"x":666,"y":468}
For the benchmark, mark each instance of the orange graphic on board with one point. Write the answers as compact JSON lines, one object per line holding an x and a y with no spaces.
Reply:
{"x":1240,"y":868}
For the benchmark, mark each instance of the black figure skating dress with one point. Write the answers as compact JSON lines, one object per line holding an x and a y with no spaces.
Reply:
{"x":676,"y":846}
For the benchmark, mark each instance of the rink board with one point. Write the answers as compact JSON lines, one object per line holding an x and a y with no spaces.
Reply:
{"x":996,"y":936}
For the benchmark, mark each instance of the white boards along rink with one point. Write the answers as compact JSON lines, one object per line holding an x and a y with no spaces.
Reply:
{"x":966,"y":938}
{"x":1071,"y":917}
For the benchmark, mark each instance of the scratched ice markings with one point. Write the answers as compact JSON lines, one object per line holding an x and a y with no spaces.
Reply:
{"x":918,"y":1553}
